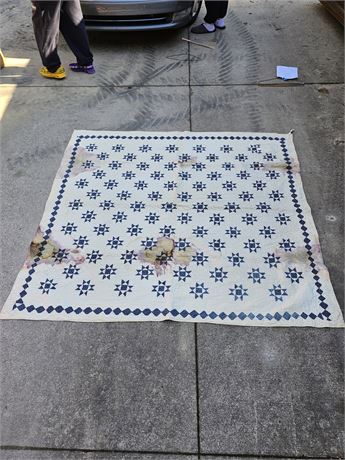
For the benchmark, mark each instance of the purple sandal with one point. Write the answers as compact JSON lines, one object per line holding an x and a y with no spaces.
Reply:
{"x":75,"y":67}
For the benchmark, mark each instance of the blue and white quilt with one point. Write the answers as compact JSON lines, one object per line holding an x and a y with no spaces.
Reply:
{"x":201,"y":227}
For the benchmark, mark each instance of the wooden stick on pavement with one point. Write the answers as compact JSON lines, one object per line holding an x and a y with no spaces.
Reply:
{"x":196,"y":43}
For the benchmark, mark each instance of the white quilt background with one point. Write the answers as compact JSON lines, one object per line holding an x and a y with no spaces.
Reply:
{"x":204,"y":227}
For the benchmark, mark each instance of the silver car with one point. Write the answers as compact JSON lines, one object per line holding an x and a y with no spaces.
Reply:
{"x":139,"y":14}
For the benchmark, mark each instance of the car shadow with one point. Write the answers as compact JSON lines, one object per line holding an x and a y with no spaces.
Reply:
{"x":126,"y":38}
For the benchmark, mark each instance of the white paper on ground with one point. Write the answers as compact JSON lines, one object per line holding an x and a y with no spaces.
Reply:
{"x":287,"y":73}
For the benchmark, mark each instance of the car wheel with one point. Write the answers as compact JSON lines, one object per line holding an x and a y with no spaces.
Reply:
{"x":196,"y":13}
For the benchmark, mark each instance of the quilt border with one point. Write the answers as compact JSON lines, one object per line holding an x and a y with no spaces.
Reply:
{"x":156,"y":312}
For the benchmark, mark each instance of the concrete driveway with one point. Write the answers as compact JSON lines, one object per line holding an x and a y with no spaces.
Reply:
{"x":170,"y":390}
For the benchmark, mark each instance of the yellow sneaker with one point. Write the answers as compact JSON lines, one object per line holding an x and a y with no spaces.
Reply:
{"x":59,"y":74}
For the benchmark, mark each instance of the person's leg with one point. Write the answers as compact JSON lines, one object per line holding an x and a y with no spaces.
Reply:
{"x":72,"y":27}
{"x":215,"y":10}
{"x":45,"y":20}
{"x":223,"y":9}
{"x":208,"y":25}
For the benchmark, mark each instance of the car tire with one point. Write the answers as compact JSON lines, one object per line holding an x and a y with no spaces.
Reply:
{"x":196,"y":14}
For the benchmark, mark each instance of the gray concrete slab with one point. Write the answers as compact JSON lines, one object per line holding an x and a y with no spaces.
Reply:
{"x":260,"y":391}
{"x":60,"y":455}
{"x":231,"y":457}
{"x":253,"y":401}
{"x":98,"y":386}
{"x":240,"y":53}
{"x":121,"y":59}
{"x":36,"y":454}
{"x":261,"y":35}
{"x":271,"y":392}
{"x":128,"y":386}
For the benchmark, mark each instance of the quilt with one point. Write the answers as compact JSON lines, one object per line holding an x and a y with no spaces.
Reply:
{"x":183,"y":226}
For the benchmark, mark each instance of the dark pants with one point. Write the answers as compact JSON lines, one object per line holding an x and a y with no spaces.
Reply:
{"x":48,"y":17}
{"x":215,"y":10}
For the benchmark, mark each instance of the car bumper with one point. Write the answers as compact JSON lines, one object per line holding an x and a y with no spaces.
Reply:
{"x":136,"y":15}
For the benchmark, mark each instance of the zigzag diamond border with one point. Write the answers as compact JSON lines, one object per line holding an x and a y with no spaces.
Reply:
{"x":323,"y":315}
